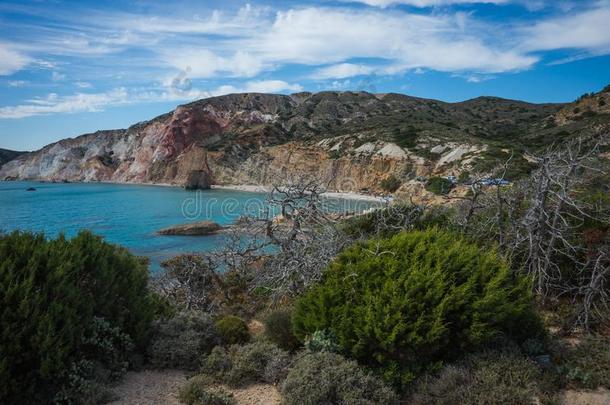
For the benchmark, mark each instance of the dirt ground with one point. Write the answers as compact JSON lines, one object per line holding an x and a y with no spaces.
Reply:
{"x":161,"y":388}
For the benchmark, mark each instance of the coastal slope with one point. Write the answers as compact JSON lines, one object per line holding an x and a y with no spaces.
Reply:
{"x":351,"y":141}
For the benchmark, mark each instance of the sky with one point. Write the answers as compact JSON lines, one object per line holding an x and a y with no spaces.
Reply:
{"x":72,"y":67}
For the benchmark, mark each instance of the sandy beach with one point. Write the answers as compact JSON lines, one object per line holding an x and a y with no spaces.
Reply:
{"x":263,"y":189}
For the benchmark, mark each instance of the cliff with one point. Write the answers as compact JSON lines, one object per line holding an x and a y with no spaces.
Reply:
{"x":349,"y":140}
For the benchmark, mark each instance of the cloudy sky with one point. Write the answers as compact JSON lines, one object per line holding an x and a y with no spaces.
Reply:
{"x":69,"y":67}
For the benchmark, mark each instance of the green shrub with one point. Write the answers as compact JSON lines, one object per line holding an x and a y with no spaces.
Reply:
{"x":588,"y":364}
{"x":405,"y":303}
{"x":439,"y":185}
{"x":278,"y":329}
{"x":56,"y":294}
{"x":250,"y":363}
{"x":233,"y":330}
{"x":322,"y":341}
{"x":487,"y":378}
{"x":328,"y":378}
{"x":196,"y":392}
{"x":180,"y":341}
{"x":390,"y":183}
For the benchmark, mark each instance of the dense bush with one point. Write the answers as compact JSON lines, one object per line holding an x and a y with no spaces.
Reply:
{"x":60,"y":302}
{"x":390,"y":184}
{"x":232,"y":330}
{"x":328,"y":378}
{"x":250,"y":363}
{"x":180,"y":341}
{"x":393,"y":219}
{"x":439,"y":185}
{"x":278,"y":329}
{"x":486,"y":378}
{"x":197,"y":392}
{"x":405,"y":303}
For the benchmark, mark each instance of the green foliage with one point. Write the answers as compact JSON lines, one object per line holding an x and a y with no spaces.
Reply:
{"x":196,"y":392}
{"x":405,"y":303}
{"x":406,"y":138}
{"x":588,"y":364}
{"x":65,"y":301}
{"x":439,"y":185}
{"x":328,"y":378}
{"x":278,"y":329}
{"x":464,"y":176}
{"x":487,"y":378}
{"x":180,"y":341}
{"x":232,"y":330}
{"x":390,"y":183}
{"x":322,"y":341}
{"x":250,"y":363}
{"x":334,"y":154}
{"x":393,"y":219}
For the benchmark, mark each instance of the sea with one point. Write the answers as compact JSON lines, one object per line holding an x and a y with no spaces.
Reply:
{"x":131,"y":215}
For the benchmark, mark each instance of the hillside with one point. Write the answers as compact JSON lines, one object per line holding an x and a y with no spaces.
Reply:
{"x":351,"y":140}
{"x":8,"y":155}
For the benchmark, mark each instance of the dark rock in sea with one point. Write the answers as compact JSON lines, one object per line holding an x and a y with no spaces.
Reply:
{"x":193,"y":229}
{"x":198,"y":180}
{"x":31,"y":189}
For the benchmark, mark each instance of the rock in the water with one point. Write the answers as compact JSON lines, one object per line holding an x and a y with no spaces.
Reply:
{"x":193,"y":229}
{"x":197,"y":180}
{"x":31,"y":189}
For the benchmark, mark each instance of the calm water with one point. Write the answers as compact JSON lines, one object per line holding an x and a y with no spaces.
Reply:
{"x":129,"y":215}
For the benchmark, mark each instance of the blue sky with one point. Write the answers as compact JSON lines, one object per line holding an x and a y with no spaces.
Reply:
{"x":70,"y":67}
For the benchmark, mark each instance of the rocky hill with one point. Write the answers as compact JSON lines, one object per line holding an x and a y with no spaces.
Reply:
{"x":8,"y":155}
{"x":350,"y":140}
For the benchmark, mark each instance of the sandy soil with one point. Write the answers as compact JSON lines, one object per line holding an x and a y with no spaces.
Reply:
{"x":150,"y":388}
{"x":600,"y":396}
{"x":162,"y":387}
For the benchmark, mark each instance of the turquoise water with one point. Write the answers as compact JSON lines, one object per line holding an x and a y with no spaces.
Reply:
{"x":129,"y":215}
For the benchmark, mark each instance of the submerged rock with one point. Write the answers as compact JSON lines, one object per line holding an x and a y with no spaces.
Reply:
{"x":193,"y":229}
{"x":31,"y":189}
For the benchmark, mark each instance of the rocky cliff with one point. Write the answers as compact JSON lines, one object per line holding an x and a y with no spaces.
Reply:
{"x":351,"y":141}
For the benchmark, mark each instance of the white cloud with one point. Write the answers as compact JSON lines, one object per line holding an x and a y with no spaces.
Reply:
{"x":425,"y":3}
{"x":92,"y":102}
{"x":11,"y":61}
{"x":17,"y":83}
{"x":57,"y":77}
{"x":586,"y":30}
{"x":342,"y":71}
{"x":316,"y":36}
{"x":203,"y":63}
{"x":83,"y":85}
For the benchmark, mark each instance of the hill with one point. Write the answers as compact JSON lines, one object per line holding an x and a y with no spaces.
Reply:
{"x":350,"y":140}
{"x":8,"y":155}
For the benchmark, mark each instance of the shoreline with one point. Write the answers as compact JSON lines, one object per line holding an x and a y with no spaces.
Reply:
{"x":329,"y":194}
{"x":250,"y":188}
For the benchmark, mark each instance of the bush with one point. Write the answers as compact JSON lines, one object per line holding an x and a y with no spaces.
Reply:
{"x":180,"y":341}
{"x":328,"y":378}
{"x":322,"y":341}
{"x":390,"y":184}
{"x":439,"y":185}
{"x":57,"y":293}
{"x":487,"y":378}
{"x":251,"y":363}
{"x":588,"y":364}
{"x":196,"y":392}
{"x":232,"y":330}
{"x":405,"y":303}
{"x":278,"y":329}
